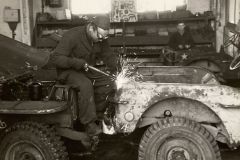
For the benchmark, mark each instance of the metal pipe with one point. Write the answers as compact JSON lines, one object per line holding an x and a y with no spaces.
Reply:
{"x":99,"y":71}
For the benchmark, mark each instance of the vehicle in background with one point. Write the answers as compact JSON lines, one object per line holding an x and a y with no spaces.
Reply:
{"x":205,"y":57}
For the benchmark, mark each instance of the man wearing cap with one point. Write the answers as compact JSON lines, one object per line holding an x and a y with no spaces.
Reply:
{"x":182,"y":39}
{"x":77,"y":49}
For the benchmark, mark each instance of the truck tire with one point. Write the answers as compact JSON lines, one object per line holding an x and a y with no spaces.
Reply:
{"x":31,"y":141}
{"x":178,"y":139}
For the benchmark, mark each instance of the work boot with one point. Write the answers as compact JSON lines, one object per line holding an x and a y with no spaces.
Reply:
{"x":92,"y":129}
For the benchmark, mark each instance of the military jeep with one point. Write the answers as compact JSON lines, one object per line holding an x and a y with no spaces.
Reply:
{"x":184,"y":111}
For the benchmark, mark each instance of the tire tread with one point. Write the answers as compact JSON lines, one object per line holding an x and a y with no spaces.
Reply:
{"x":47,"y":135}
{"x":176,"y":121}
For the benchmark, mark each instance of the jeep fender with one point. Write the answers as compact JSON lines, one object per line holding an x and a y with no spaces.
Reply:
{"x":187,"y":108}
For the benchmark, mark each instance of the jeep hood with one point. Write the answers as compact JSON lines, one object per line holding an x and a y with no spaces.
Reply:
{"x":15,"y":55}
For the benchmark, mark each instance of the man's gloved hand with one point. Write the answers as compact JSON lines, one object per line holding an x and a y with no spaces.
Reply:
{"x":79,"y":64}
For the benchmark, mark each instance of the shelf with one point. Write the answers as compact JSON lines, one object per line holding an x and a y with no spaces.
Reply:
{"x":61,"y":23}
{"x":45,"y":42}
{"x":138,"y":22}
{"x":138,"y":40}
{"x":128,"y":41}
{"x":149,"y":41}
{"x":167,"y":20}
{"x":144,"y":40}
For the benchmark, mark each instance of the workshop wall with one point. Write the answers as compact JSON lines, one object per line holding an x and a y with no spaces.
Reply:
{"x":234,"y":8}
{"x":193,"y":5}
{"x":4,"y":28}
{"x":220,"y":24}
{"x":233,"y":12}
{"x":198,"y":6}
{"x":37,"y":8}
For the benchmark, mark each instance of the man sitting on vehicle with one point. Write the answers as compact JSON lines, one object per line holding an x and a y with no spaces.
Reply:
{"x":182,"y":39}
{"x":73,"y":54}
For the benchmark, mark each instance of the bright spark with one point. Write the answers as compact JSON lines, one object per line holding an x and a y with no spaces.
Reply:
{"x":128,"y":74}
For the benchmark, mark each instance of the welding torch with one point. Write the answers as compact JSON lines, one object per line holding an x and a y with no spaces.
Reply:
{"x":99,"y":71}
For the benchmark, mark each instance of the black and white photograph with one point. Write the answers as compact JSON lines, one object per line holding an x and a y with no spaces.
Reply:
{"x":119,"y":79}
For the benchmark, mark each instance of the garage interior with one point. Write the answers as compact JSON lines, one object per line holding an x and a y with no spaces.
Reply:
{"x":139,"y":33}
{"x":213,"y":26}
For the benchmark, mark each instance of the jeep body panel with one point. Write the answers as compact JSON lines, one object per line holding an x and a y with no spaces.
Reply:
{"x":32,"y":107}
{"x":177,"y":106}
{"x":176,"y":74}
{"x":49,"y":112}
{"x":137,"y":98}
{"x":221,"y":60}
{"x":14,"y":56}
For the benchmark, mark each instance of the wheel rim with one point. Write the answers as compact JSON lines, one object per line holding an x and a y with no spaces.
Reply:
{"x":179,"y":149}
{"x":24,"y":150}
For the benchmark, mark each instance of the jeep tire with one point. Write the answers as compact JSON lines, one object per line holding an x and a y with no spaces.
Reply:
{"x":178,"y":139}
{"x":31,"y":141}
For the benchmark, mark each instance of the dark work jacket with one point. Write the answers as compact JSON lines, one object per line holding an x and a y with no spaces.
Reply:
{"x":75,"y":49}
{"x":177,"y":39}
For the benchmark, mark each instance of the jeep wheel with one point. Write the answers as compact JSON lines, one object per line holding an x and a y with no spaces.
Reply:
{"x":178,"y":139}
{"x":31,"y":141}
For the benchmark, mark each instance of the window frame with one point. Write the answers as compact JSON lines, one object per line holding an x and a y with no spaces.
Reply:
{"x":164,"y":3}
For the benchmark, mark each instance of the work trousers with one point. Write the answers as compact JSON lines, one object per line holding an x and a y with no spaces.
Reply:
{"x":93,"y":89}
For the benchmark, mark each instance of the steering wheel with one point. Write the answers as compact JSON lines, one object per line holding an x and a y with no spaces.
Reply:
{"x":235,"y":63}
{"x":232,"y":40}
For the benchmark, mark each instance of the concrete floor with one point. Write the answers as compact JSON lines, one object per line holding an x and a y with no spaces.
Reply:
{"x":125,"y":151}
{"x":231,"y":155}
